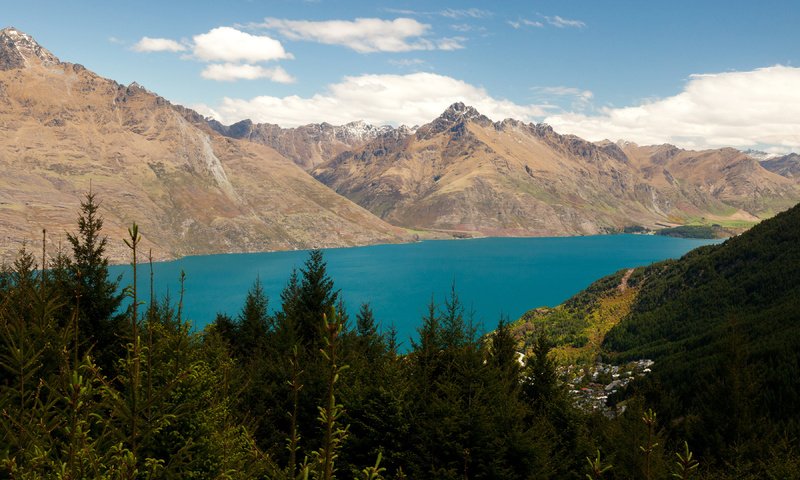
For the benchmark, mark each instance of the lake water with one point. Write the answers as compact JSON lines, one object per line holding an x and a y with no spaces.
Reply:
{"x":493,"y":276}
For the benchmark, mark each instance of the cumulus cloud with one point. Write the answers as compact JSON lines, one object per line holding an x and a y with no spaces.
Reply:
{"x":228,"y":44}
{"x":412,"y":99}
{"x":364,"y":35}
{"x":560,"y":22}
{"x":738,"y":109}
{"x":237,"y":50}
{"x":229,"y":72}
{"x":147,"y":44}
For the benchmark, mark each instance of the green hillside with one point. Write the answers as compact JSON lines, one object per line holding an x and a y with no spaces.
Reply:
{"x":723,"y":325}
{"x":578,"y":326}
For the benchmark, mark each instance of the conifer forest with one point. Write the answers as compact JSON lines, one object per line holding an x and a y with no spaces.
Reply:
{"x":103,"y":380}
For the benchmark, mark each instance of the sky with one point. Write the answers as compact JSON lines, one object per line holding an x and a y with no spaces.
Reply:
{"x":697,"y":74}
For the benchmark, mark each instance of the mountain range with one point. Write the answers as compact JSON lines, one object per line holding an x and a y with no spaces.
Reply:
{"x":197,"y":186}
{"x":464,"y":174}
{"x":192,"y":191}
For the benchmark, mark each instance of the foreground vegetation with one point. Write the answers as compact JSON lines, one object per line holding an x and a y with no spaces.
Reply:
{"x":90,"y":390}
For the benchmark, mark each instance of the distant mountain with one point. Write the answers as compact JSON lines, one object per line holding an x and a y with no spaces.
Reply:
{"x":192,"y":190}
{"x":308,"y":145}
{"x":787,"y":165}
{"x":759,"y":155}
{"x":463,"y":173}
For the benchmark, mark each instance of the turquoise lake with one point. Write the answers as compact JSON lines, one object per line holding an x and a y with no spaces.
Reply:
{"x":493,"y":276}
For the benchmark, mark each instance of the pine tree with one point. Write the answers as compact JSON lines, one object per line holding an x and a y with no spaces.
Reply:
{"x":454,"y":329}
{"x":254,"y":323}
{"x":316,"y":297}
{"x":503,"y":353}
{"x":98,"y":298}
{"x":369,"y":344}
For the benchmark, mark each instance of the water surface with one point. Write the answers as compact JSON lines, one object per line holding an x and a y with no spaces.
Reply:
{"x":492,"y":276}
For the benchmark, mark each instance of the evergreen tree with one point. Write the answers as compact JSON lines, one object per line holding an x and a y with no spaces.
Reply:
{"x":503,"y":352}
{"x":98,"y":298}
{"x":253,"y":323}
{"x":316,"y":297}
{"x":541,"y":379}
{"x":370,"y":344}
{"x":287,"y":319}
{"x":455,"y":331}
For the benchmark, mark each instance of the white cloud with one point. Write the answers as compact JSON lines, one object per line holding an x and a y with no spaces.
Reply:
{"x":408,"y":62}
{"x":738,"y":109}
{"x":462,"y":27}
{"x":230,"y":45}
{"x":524,"y":22}
{"x":229,"y":72}
{"x":412,"y":99}
{"x":562,"y":91}
{"x":364,"y":35}
{"x":467,"y":12}
{"x":579,"y":100}
{"x":407,"y":11}
{"x":147,"y":44}
{"x":451,"y":43}
{"x":237,"y":51}
{"x":560,"y":22}
{"x":448,"y":12}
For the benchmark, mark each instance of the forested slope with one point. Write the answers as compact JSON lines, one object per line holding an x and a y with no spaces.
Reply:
{"x":723,"y":325}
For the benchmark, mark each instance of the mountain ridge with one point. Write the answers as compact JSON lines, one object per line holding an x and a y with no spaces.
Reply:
{"x":459,"y":175}
{"x":191,"y":190}
{"x":576,"y":185}
{"x":463,"y":172}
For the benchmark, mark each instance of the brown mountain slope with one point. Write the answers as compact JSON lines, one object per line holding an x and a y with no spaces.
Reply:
{"x":462,"y":172}
{"x":191,"y":190}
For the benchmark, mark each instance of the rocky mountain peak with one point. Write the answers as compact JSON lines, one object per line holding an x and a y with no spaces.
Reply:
{"x":455,"y":115}
{"x":20,"y":50}
{"x":359,"y":131}
{"x":458,"y":112}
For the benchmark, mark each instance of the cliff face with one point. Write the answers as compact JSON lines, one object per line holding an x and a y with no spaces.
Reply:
{"x":191,"y":190}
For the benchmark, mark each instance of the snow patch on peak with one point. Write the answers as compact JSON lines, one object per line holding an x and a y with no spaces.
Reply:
{"x":359,"y":131}
{"x":20,"y":50}
{"x":759,"y":155}
{"x":625,"y":143}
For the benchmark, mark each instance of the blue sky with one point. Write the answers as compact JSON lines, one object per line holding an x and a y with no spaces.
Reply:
{"x":694,"y":73}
